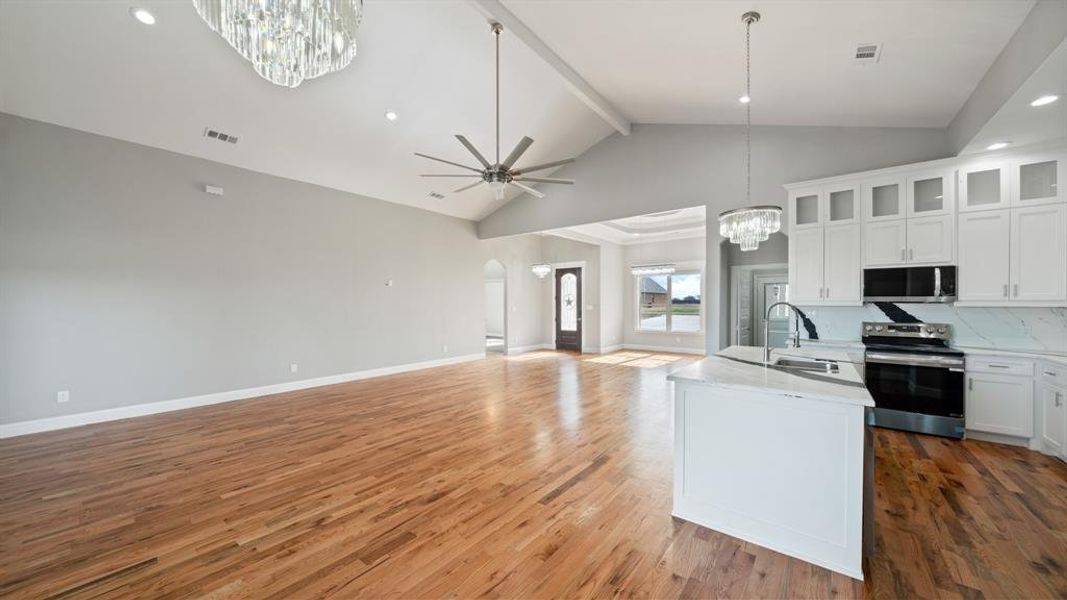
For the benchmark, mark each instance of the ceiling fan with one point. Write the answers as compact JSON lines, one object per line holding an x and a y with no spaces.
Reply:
{"x":500,"y":173}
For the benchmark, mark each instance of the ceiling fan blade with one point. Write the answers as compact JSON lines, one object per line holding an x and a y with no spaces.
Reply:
{"x":453,"y":175}
{"x":521,"y":147}
{"x":545,"y":180}
{"x":527,"y":189}
{"x":448,"y":162}
{"x":544,"y":166}
{"x":473,"y":150}
{"x":467,"y":187}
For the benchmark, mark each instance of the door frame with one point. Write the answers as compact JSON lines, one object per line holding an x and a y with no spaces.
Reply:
{"x":757,"y":315}
{"x":579,"y":264}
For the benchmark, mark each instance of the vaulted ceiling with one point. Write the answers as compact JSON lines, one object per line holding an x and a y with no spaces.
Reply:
{"x":90,"y":66}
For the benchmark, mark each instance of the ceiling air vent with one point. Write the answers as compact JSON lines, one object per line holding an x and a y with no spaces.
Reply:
{"x":220,"y":136}
{"x":436,"y":196}
{"x":868,"y":53}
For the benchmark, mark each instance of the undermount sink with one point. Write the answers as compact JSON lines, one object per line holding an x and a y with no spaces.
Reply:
{"x":807,"y":364}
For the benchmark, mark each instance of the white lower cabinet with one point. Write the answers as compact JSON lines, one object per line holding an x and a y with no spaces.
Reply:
{"x":1001,"y":404}
{"x":1053,"y":401}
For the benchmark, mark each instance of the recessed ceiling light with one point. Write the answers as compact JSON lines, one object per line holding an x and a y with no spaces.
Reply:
{"x":997,"y":145}
{"x":1043,"y":100}
{"x":744,"y":99}
{"x":143,"y":16}
{"x":390,"y":115}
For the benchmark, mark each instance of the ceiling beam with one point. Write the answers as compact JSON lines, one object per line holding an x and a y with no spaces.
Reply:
{"x":496,"y":11}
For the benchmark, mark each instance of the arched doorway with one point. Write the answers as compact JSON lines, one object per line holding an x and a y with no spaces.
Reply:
{"x":496,"y":336}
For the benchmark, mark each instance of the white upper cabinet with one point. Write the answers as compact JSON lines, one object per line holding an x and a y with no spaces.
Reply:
{"x":842,"y":204}
{"x":984,"y":186}
{"x":842,"y":270}
{"x":883,"y":199}
{"x":983,"y":249}
{"x":805,"y":209}
{"x":806,"y":266}
{"x":931,"y":193}
{"x":1039,"y":179}
{"x":885,"y":244}
{"x":932,"y":240}
{"x":1039,"y":254}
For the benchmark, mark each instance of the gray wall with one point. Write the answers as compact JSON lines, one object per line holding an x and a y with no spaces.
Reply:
{"x":1043,"y":30}
{"x":662,"y":167}
{"x":123,"y":282}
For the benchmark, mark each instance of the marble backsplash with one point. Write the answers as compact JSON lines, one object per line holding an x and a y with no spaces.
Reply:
{"x":1023,"y":329}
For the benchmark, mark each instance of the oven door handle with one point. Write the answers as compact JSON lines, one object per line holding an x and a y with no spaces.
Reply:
{"x":914,"y":360}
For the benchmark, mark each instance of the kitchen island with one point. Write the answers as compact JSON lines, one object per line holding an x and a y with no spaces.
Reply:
{"x":779,"y":457}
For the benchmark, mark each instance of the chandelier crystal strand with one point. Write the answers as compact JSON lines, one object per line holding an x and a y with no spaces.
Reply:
{"x":287,"y":41}
{"x":749,"y":226}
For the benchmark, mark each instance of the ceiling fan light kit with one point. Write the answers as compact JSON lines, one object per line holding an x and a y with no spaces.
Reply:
{"x":749,"y":226}
{"x":501,"y":173}
{"x":287,"y":42}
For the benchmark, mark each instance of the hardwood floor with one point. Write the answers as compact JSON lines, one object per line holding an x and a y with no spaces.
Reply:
{"x":542,"y":475}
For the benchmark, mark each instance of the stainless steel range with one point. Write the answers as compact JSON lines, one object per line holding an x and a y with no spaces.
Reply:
{"x":916,"y":380}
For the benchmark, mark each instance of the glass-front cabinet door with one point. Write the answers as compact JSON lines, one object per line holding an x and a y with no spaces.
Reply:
{"x":931,"y":193}
{"x":842,"y":204}
{"x":883,"y":199}
{"x":805,"y":208}
{"x":984,"y":186}
{"x":1039,"y":180}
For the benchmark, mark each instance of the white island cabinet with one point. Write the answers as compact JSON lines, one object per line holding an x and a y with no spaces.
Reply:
{"x":778,"y":457}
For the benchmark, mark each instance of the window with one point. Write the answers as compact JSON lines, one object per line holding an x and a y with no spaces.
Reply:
{"x":669,"y":303}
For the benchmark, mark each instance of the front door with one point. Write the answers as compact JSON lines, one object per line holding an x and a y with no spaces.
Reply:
{"x":569,"y":309}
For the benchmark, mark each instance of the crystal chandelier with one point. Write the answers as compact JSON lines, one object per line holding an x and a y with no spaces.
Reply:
{"x":541,"y":270}
{"x":754,"y":224}
{"x":287,"y":41}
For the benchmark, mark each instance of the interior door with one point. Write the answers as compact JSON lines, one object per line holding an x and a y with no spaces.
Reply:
{"x":569,"y":309}
{"x":770,"y":289}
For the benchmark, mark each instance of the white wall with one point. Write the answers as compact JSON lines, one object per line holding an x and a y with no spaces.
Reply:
{"x":525,"y":292}
{"x":612,"y":292}
{"x":494,"y":307}
{"x":123,"y":282}
{"x":688,"y":250}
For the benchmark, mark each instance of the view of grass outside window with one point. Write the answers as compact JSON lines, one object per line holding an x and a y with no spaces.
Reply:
{"x":669,"y":302}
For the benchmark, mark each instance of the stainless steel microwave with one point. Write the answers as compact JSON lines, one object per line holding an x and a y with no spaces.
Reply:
{"x":910,"y":284}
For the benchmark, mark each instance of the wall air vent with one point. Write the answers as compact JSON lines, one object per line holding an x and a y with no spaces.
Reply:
{"x":868,"y":53}
{"x":220,"y":136}
{"x":436,"y":196}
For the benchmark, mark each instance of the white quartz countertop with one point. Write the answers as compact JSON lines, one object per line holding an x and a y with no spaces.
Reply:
{"x":741,"y":367}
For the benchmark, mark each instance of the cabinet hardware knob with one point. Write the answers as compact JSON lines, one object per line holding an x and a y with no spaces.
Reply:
{"x":970,"y":384}
{"x":903,"y":256}
{"x":1050,"y":373}
{"x":911,"y":253}
{"x":1005,"y":290}
{"x":1016,"y":290}
{"x":999,"y":366}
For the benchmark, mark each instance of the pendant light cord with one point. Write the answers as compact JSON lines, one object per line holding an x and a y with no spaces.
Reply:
{"x":748,"y":112}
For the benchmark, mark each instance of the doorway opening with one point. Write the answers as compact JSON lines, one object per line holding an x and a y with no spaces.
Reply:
{"x":495,"y":307}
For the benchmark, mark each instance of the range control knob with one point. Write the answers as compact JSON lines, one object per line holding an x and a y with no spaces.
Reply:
{"x":877,"y":327}
{"x":867,"y":328}
{"x":941,"y":330}
{"x":929,"y":329}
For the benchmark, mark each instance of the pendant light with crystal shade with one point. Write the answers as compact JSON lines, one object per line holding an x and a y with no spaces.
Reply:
{"x":753,"y":224}
{"x":287,"y":42}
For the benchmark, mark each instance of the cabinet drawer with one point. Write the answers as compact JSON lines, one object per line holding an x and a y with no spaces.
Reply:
{"x":992,"y":364}
{"x":1053,"y":373}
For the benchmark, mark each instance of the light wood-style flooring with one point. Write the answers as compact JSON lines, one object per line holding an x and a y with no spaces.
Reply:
{"x":545,"y":475}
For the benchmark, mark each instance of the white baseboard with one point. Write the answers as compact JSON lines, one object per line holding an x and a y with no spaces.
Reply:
{"x":674,"y":349}
{"x":530,"y":348}
{"x":138,"y":410}
{"x":610,"y":349}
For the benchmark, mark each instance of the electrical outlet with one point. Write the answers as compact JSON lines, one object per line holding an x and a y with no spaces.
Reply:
{"x":293,"y":367}
{"x":63,"y":396}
